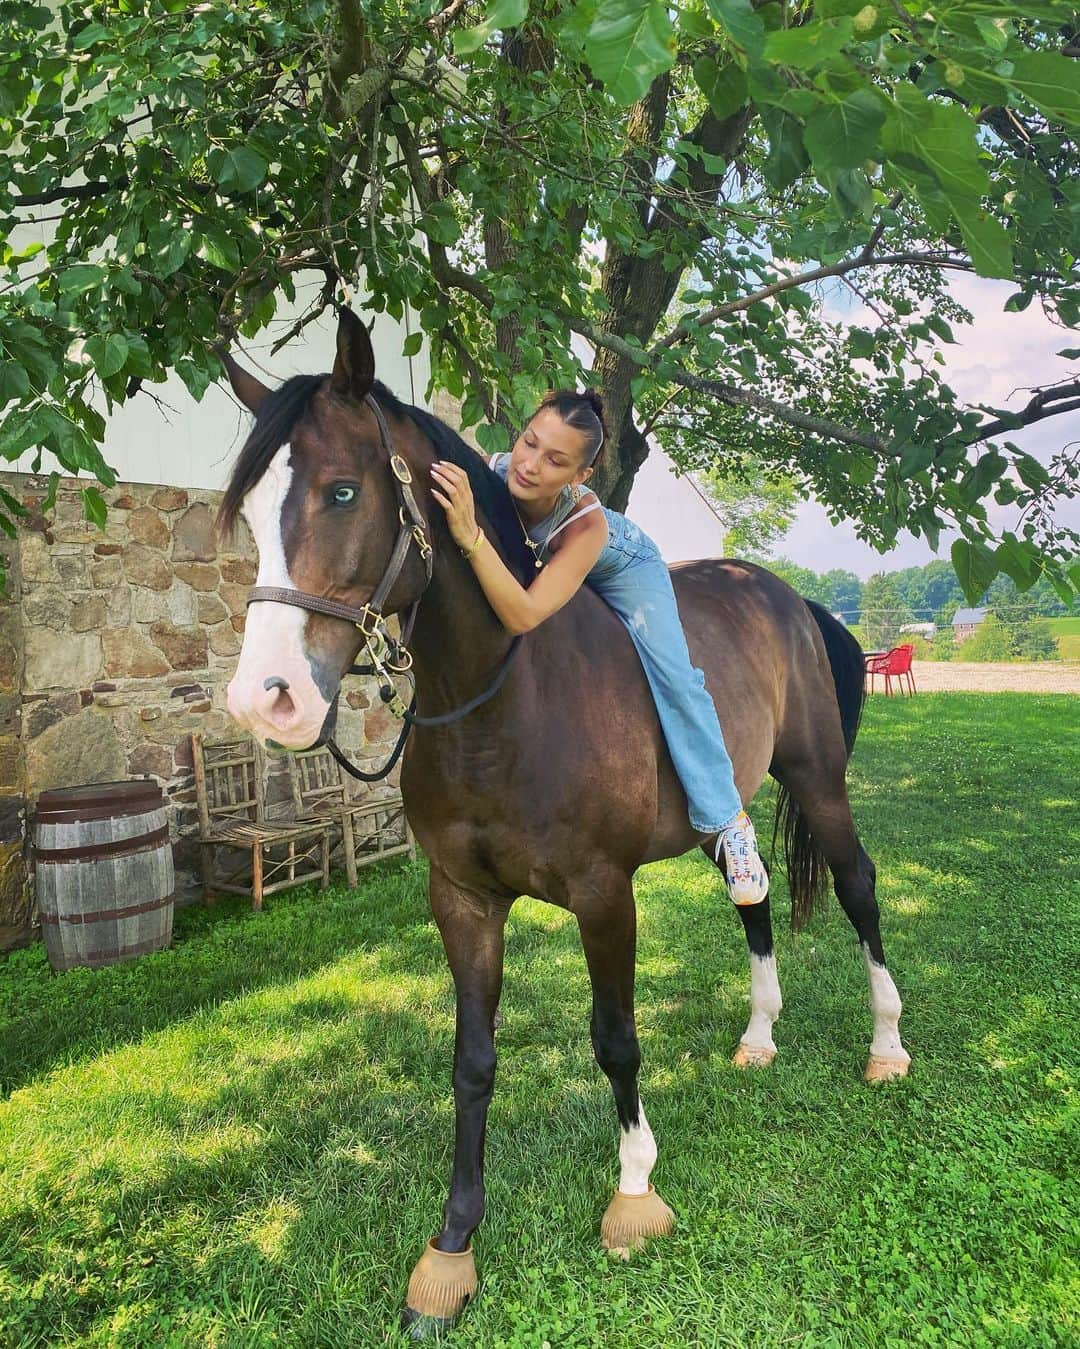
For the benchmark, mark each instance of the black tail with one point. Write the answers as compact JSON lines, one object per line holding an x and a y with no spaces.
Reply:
{"x":806,"y":867}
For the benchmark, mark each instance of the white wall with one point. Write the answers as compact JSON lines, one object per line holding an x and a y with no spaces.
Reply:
{"x":673,"y":512}
{"x":189,"y":444}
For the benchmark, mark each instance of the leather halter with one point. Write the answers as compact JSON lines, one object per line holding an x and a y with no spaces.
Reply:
{"x":387,"y":653}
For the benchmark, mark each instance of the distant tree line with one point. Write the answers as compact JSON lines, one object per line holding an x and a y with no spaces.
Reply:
{"x":885,"y":603}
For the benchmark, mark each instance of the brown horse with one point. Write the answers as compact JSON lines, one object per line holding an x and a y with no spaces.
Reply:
{"x":559,"y":786}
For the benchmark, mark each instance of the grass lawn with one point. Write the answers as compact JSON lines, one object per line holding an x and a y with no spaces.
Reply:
{"x":1067,"y":632}
{"x":245,"y":1141}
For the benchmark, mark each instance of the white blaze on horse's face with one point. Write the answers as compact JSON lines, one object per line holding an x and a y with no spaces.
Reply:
{"x":273,"y":693}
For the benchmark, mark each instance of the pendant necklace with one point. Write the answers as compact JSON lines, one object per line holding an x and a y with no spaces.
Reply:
{"x":537,"y":548}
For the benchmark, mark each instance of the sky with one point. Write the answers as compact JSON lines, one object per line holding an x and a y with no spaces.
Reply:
{"x":994,"y":360}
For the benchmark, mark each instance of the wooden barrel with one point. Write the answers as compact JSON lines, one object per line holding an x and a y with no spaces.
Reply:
{"x":104,"y":873}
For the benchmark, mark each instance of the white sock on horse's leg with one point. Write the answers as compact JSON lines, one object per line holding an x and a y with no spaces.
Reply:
{"x":637,"y":1155}
{"x":885,"y":1007}
{"x":765,"y":1006}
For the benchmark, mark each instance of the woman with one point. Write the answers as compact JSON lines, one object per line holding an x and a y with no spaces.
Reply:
{"x":581,"y":541}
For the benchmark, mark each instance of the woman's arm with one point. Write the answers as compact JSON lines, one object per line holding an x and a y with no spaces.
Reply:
{"x":519,"y":610}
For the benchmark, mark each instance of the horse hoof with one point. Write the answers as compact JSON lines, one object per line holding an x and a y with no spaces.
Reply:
{"x":631,"y":1219}
{"x":417,"y":1327}
{"x":753,"y":1056}
{"x":440,"y":1286}
{"x":879,"y":1069}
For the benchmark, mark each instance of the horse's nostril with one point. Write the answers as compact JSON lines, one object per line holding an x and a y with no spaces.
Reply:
{"x":276,"y":682}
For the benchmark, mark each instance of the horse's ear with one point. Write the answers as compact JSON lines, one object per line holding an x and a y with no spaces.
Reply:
{"x":354,"y":366}
{"x":247,"y":388}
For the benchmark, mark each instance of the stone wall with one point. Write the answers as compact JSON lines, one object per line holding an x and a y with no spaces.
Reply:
{"x":115,"y":645}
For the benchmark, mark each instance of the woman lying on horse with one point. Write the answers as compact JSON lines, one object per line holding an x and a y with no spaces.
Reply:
{"x":582,"y":542}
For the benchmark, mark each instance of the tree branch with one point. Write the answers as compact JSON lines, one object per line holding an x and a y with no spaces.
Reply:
{"x":448,"y":276}
{"x":74,"y":192}
{"x":1038,"y":409}
{"x":733,"y":394}
{"x":720,"y":311}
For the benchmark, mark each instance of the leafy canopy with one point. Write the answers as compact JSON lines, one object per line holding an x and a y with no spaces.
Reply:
{"x":692,"y":189}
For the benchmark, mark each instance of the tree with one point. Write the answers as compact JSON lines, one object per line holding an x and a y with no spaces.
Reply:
{"x":807,"y":582}
{"x":756,"y":509}
{"x":944,"y":643}
{"x":991,"y":641}
{"x":941,"y":589}
{"x":845,"y":593}
{"x":684,"y":188}
{"x":884,"y":610}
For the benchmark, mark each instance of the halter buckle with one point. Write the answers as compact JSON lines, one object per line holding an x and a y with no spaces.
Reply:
{"x":400,"y":469}
{"x":369,"y":622}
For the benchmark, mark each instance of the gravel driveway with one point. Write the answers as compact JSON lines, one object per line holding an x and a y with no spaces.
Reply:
{"x":969,"y":677}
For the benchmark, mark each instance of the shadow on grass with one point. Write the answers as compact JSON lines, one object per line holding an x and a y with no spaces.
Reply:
{"x":218,"y":953}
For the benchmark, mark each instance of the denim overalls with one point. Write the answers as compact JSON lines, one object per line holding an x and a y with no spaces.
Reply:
{"x":633,"y":579}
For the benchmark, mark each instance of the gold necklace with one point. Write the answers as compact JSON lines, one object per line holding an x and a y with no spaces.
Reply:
{"x":537,"y":548}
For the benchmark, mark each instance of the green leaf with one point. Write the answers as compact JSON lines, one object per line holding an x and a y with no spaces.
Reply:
{"x":238,"y":170}
{"x":108,"y":352}
{"x":1018,"y":560}
{"x":741,"y":22}
{"x":916,"y":457}
{"x":725,"y":86}
{"x":501,"y":14}
{"x":13,"y":504}
{"x":492,"y":437}
{"x":412,"y":344}
{"x":220,"y":251}
{"x":94,"y":506}
{"x":1051,"y":82}
{"x":994,"y":32}
{"x":80,"y":278}
{"x":810,"y":44}
{"x":975,"y":567}
{"x":629,"y":44}
{"x":89,"y":36}
{"x":860,"y":342}
{"x":1070,"y":353}
{"x":987,"y":469}
{"x":440,"y":223}
{"x":941,"y":140}
{"x":787,"y":156}
{"x":14,"y":381}
{"x":845,"y":132}
{"x":1031,"y":472}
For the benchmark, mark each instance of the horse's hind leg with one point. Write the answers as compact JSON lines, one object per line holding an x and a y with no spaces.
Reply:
{"x":756,"y":1049}
{"x":607,"y":923}
{"x":822,"y":799}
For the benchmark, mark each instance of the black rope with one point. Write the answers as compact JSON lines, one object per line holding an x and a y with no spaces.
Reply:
{"x":383,"y":772}
{"x":446,"y":718}
{"x":411,"y":719}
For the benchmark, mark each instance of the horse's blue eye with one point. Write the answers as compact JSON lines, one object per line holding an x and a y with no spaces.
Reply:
{"x":344,"y":496}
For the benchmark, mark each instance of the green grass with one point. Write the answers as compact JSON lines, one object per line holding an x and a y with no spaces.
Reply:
{"x":245,"y":1141}
{"x":1067,"y":632}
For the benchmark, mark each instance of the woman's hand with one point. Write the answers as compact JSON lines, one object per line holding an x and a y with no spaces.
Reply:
{"x":451,"y":489}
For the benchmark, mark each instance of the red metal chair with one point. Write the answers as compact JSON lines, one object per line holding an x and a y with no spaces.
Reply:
{"x":893,"y":664}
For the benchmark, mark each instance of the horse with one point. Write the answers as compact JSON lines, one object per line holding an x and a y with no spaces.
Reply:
{"x":558,"y":783}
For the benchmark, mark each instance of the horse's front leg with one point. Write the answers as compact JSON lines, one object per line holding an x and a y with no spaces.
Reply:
{"x":608,"y":927}
{"x":472,"y":931}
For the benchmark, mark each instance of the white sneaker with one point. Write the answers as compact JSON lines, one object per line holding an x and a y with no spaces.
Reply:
{"x":747,"y":879}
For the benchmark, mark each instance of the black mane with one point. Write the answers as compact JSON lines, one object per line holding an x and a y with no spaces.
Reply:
{"x":286,"y":405}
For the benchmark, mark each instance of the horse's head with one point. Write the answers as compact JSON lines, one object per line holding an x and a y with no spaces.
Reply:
{"x":314,"y":484}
